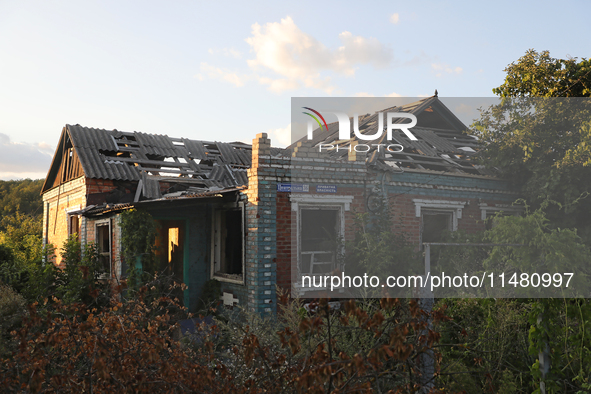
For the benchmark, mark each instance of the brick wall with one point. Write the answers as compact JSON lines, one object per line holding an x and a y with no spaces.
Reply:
{"x":70,"y":196}
{"x":90,"y":237}
{"x":56,"y":203}
{"x":354,"y":178}
{"x":261,"y":239}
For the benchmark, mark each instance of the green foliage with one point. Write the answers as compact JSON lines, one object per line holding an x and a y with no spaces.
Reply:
{"x":539,"y":75}
{"x":23,"y":235}
{"x":377,"y":249}
{"x":498,"y":341}
{"x":138,"y":236}
{"x":20,"y":196}
{"x":12,"y":311}
{"x":81,"y":278}
{"x":544,"y":250}
{"x":487,"y":340}
{"x":542,"y":144}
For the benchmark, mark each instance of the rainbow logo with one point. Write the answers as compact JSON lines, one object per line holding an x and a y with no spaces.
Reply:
{"x":315,"y":118}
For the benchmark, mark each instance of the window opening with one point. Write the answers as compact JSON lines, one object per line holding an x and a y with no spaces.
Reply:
{"x":228,"y":248}
{"x":434,"y":223}
{"x":103,"y":241}
{"x":74,"y":226}
{"x":318,"y":240}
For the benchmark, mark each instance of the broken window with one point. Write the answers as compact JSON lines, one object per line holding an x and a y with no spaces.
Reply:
{"x":434,"y":224}
{"x":228,"y":243}
{"x":319,"y":237}
{"x":74,"y":225}
{"x":103,"y":241}
{"x":490,"y":221}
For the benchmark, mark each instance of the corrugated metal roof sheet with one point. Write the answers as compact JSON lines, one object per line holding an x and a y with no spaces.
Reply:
{"x":441,"y":149}
{"x":117,"y":155}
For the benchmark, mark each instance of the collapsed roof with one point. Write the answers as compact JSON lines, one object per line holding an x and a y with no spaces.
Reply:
{"x":148,"y":159}
{"x":192,"y":167}
{"x":442,"y":143}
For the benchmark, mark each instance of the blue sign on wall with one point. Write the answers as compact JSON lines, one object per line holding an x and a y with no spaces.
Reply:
{"x":293,"y":188}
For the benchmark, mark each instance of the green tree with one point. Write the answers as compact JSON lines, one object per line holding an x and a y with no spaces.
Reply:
{"x":542,"y":143}
{"x":23,"y":235}
{"x":21,"y":196}
{"x":539,"y":75}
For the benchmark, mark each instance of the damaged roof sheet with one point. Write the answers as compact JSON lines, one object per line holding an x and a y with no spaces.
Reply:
{"x":135,"y":156}
{"x":440,"y":147}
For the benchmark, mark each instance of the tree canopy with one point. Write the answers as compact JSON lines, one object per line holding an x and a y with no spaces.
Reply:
{"x":536,"y":74}
{"x":539,"y":136}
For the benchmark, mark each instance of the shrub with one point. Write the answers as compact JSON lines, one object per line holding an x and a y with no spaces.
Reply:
{"x":12,"y":311}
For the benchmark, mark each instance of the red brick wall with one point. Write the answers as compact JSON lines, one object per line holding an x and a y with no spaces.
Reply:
{"x":404,"y":220}
{"x":99,"y":186}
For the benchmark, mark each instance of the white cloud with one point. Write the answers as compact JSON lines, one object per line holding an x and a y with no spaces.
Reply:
{"x":299,"y":59}
{"x":229,"y":52}
{"x":280,"y":137}
{"x":20,"y":160}
{"x":365,"y":94}
{"x":223,"y":75}
{"x":441,"y":68}
{"x":395,"y":18}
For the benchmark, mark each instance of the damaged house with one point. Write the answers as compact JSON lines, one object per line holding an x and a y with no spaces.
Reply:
{"x":257,"y":217}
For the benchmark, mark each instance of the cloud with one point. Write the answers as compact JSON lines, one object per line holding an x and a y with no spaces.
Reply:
{"x":365,"y":94}
{"x":281,"y":48}
{"x":440,"y":68}
{"x":223,"y":75}
{"x":280,"y":137}
{"x":229,"y":52}
{"x":395,"y":18}
{"x":21,"y":160}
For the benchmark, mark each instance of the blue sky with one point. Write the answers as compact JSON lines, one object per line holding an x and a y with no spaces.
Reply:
{"x":227,"y":70}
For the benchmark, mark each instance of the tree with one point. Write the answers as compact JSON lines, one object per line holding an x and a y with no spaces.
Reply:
{"x":542,"y":143}
{"x":21,"y":196}
{"x":539,"y":75}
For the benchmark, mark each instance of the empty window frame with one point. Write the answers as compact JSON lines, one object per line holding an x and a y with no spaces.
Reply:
{"x":434,"y":223}
{"x":74,"y":225}
{"x":489,"y":213}
{"x":228,"y":244}
{"x":104,"y":242}
{"x":319,"y":239}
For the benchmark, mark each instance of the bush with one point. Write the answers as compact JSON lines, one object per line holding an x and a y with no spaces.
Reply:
{"x":128,"y":347}
{"x":12,"y":311}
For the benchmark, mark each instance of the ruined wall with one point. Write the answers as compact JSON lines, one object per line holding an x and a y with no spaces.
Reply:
{"x":57,"y":202}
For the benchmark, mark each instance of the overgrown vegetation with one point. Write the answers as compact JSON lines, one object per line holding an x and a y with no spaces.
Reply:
{"x":77,"y":336}
{"x":138,"y":235}
{"x":364,"y":347}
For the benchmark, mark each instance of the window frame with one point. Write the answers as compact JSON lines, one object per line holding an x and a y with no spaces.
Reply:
{"x":216,"y":228}
{"x":105,"y":223}
{"x":342,"y":203}
{"x":340,"y":231}
{"x":443,"y":206}
{"x":427,"y":212}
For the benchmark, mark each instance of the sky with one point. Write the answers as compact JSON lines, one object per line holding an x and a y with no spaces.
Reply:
{"x":227,"y":70}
